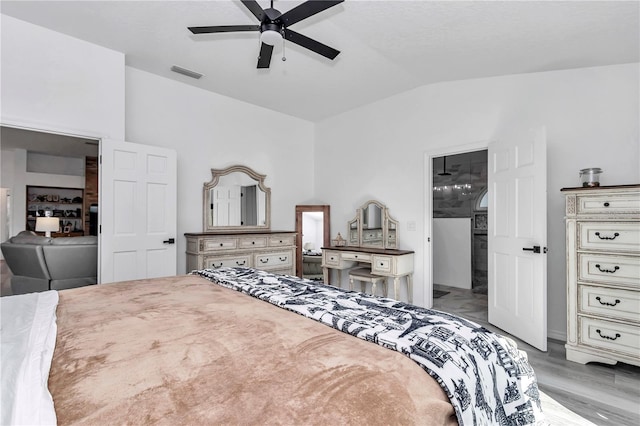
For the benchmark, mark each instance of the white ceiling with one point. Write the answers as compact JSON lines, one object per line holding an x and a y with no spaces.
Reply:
{"x":387,"y":47}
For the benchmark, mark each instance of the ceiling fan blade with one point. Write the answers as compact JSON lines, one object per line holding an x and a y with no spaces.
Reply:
{"x":307,"y":9}
{"x":223,"y":29}
{"x":315,"y":46}
{"x":265,"y":55}
{"x":254,"y":8}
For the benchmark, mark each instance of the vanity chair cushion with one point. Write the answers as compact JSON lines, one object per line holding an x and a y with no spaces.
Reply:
{"x":364,"y":275}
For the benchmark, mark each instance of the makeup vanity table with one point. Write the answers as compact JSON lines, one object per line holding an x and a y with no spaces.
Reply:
{"x":373,"y":241}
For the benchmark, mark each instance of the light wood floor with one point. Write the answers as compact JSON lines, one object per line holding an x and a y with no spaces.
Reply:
{"x":605,"y":395}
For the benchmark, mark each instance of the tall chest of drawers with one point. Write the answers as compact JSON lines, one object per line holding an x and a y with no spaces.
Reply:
{"x":603,"y":274}
{"x":273,"y":251}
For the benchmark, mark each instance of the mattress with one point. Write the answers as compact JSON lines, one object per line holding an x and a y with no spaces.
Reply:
{"x":243,"y":346}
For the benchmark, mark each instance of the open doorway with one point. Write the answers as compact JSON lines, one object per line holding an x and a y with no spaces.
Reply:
{"x":459,"y":226}
{"x":48,"y":173}
{"x":312,"y":233}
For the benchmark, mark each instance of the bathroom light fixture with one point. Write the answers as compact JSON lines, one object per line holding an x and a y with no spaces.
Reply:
{"x":47,"y":225}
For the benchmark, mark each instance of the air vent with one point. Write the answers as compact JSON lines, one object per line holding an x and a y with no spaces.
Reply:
{"x":186,"y":72}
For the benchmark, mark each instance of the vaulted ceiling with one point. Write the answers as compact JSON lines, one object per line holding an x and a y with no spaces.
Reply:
{"x":387,"y":47}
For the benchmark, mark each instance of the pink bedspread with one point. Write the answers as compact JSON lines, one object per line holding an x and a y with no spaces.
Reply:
{"x":182,"y":350}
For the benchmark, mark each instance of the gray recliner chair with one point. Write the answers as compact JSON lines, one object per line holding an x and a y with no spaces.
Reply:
{"x":40,"y":263}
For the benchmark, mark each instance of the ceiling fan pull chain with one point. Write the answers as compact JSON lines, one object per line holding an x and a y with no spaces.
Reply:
{"x":283,"y":57}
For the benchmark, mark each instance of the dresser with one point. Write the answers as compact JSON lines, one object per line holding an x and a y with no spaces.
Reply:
{"x":603,"y":274}
{"x":273,"y":251}
{"x":389,"y":263}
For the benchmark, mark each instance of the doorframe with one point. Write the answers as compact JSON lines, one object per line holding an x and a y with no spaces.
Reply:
{"x":325,"y":209}
{"x":428,"y":208}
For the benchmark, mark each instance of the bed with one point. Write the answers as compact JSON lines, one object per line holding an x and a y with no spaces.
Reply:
{"x":243,"y":346}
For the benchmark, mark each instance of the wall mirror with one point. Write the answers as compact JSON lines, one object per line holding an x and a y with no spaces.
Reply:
{"x":236,"y":199}
{"x":312,"y":233}
{"x":373,"y":227}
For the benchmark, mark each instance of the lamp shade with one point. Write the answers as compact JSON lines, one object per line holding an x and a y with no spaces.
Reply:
{"x":47,"y":225}
{"x":309,"y":246}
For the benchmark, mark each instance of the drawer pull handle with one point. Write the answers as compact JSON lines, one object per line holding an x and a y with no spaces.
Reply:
{"x":604,"y":336}
{"x":241,"y":263}
{"x":607,"y":303}
{"x":282,"y":259}
{"x":216,"y":266}
{"x":221,"y":244}
{"x":381,"y":264}
{"x":609,"y":271}
{"x":253,"y":242}
{"x":264,"y":260}
{"x":608,"y":238}
{"x":606,"y":204}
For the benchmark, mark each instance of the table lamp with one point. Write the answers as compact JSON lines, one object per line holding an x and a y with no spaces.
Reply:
{"x":47,"y":224}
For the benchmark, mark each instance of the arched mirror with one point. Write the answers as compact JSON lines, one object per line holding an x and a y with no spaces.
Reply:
{"x":236,"y":199}
{"x":373,"y":227}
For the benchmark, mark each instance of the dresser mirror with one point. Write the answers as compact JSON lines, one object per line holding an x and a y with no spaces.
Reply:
{"x":373,"y":227}
{"x":236,"y":199}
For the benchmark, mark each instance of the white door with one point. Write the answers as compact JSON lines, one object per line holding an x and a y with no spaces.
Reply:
{"x":517,"y":236}
{"x":137,"y":211}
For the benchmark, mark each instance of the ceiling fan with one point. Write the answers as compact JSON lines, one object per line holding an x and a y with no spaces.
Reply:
{"x":274,"y":26}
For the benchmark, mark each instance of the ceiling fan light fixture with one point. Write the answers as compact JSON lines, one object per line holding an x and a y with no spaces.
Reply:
{"x":270,"y":37}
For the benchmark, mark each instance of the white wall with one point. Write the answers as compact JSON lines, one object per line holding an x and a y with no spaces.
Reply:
{"x":592,"y":120}
{"x":56,"y":82}
{"x":213,"y":131}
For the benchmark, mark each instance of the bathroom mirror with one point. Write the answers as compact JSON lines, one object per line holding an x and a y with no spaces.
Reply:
{"x":236,"y":199}
{"x":373,"y":227}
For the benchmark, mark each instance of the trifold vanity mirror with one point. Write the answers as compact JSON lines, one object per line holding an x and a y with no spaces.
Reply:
{"x":373,"y":227}
{"x":236,"y":199}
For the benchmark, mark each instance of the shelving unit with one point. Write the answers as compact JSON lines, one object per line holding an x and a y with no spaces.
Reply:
{"x":63,"y":203}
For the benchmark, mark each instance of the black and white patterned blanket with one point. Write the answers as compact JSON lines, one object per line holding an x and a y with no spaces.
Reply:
{"x":488,"y":380}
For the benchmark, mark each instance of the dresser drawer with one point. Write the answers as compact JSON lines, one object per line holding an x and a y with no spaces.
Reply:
{"x":382,"y":264}
{"x":331,"y":258}
{"x":212,"y":244}
{"x":604,"y":268}
{"x":610,"y":302}
{"x":609,"y":335}
{"x":273,"y":260}
{"x":281,"y":241}
{"x":357,"y":257}
{"x":252,"y":242}
{"x":609,"y":236}
{"x":227,"y":261}
{"x":608,"y":204}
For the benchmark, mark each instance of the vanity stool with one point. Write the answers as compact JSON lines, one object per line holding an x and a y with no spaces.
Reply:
{"x":365,"y":276}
